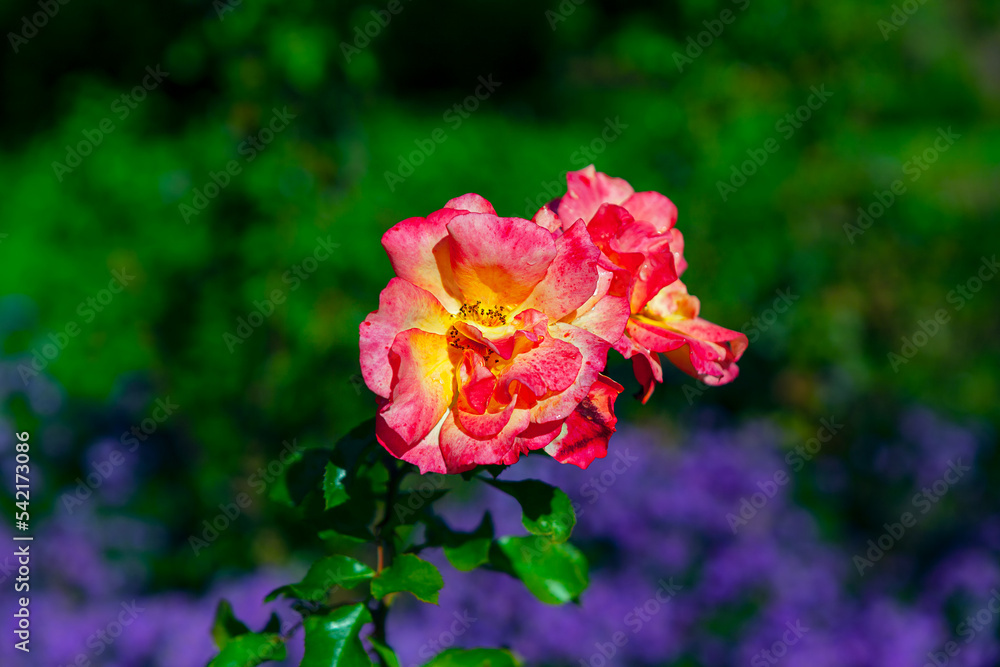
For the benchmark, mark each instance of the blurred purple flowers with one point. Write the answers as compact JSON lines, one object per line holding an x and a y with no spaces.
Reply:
{"x":783,"y":589}
{"x":673,"y":580}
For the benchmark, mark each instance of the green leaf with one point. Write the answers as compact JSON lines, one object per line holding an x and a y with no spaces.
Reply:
{"x":555,"y":573}
{"x":545,"y":509}
{"x":467,"y":551}
{"x":305,"y":473}
{"x":476,"y":657}
{"x":411,"y":574}
{"x":226,"y":625}
{"x":322,"y":576}
{"x":250,"y":649}
{"x":332,"y":639}
{"x":334,"y":490}
{"x":387,"y":654}
{"x":339,"y":542}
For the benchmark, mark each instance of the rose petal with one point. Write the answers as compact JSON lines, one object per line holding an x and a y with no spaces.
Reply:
{"x":587,"y":189}
{"x":571,"y":277}
{"x":472,"y":203}
{"x":476,"y":384}
{"x":402,"y":306}
{"x":419,"y":254}
{"x":585,"y":436}
{"x":654,"y":208}
{"x":498,"y":261}
{"x":550,"y":367}
{"x":595,"y":353}
{"x":425,"y":454}
{"x":423,"y":384}
{"x":462,"y":451}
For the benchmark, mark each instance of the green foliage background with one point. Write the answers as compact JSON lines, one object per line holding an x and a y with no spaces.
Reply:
{"x":296,"y":377}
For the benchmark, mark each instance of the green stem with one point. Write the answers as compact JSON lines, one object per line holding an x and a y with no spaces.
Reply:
{"x":386,"y":549}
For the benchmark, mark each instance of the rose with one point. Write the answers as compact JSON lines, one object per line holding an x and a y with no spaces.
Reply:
{"x":644,"y":253}
{"x":491,"y":341}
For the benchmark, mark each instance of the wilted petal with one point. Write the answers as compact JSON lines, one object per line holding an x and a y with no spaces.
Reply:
{"x":588,"y":429}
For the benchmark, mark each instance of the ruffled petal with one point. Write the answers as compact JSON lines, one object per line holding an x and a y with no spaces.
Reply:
{"x":654,"y":208}
{"x":426,"y":454}
{"x":462,"y":451}
{"x":595,"y":356}
{"x":571,"y":277}
{"x":476,"y":384}
{"x":670,"y":325}
{"x":549,"y":368}
{"x":587,"y":430}
{"x":587,"y":190}
{"x":521,"y":333}
{"x":402,"y":306}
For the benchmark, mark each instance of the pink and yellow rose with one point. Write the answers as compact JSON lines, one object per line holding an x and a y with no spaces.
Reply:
{"x":491,"y":340}
{"x":640,"y":244}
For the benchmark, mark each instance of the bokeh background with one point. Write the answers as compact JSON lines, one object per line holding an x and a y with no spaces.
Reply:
{"x":100,"y":189}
